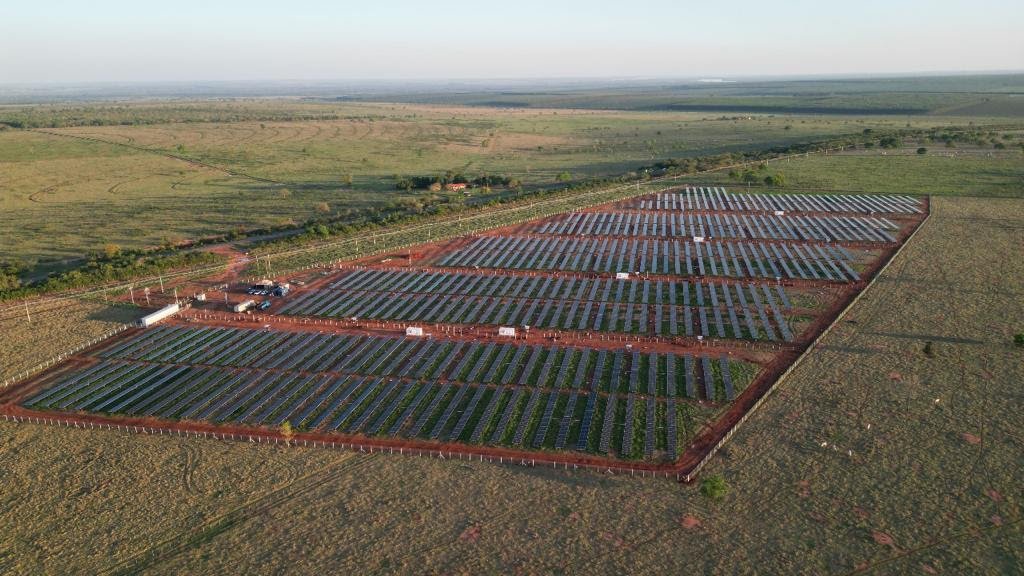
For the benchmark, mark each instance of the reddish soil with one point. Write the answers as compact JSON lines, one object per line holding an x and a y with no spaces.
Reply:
{"x":689,"y":522}
{"x":775,"y":359}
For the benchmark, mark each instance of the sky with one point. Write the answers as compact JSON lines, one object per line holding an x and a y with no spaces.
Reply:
{"x":46,"y":41}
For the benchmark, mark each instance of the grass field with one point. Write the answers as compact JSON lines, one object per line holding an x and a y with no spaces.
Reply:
{"x":52,"y":329}
{"x":203,"y":168}
{"x":931,"y":482}
{"x":968,"y":172}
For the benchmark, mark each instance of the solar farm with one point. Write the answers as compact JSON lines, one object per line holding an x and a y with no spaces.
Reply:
{"x":630,"y":335}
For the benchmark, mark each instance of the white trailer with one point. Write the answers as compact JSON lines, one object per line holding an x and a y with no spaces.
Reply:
{"x":153,"y":318}
{"x":243,"y":306}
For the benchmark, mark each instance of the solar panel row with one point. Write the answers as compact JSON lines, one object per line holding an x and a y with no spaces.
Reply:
{"x":668,"y":257}
{"x":733,"y":226}
{"x":717,"y":198}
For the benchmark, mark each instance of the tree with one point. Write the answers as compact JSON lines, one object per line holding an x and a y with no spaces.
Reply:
{"x":1018,"y":340}
{"x":890,"y":142}
{"x":714,"y":487}
{"x":750,"y":177}
{"x":775,"y":180}
{"x":922,"y":151}
{"x":111,"y":250}
{"x":323,"y":207}
{"x":287,"y":431}
{"x":346,"y":179}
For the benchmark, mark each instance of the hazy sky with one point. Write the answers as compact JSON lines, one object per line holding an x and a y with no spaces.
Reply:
{"x":76,"y":41}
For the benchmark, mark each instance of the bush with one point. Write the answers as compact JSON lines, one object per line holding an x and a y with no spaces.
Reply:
{"x":928,"y":350}
{"x":714,"y":487}
{"x":922,"y":151}
{"x":1018,"y":340}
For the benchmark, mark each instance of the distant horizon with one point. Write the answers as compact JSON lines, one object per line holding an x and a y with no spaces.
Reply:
{"x":49,"y":42}
{"x":640,"y":79}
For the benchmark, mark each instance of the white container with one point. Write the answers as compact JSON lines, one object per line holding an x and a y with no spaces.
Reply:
{"x":165,"y":312}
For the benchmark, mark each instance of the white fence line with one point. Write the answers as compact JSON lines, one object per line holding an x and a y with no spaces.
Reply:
{"x":63,"y":356}
{"x":352,"y":446}
{"x":810,"y":348}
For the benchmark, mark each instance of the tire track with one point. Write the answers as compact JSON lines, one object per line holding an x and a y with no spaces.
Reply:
{"x":34,"y":197}
{"x":190,"y":161}
{"x":191,"y":462}
{"x":178,"y":543}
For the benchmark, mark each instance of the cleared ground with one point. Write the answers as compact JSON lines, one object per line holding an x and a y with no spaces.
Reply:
{"x":927,"y":486}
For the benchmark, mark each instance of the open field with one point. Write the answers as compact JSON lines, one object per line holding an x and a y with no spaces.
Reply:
{"x":49,"y":330}
{"x":942,"y":171}
{"x":993,"y":94}
{"x":928,"y":486}
{"x":204,"y":168}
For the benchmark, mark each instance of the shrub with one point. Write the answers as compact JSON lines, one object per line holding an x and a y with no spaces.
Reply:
{"x":928,"y":350}
{"x":1018,"y":340}
{"x":714,"y":487}
{"x":922,"y":150}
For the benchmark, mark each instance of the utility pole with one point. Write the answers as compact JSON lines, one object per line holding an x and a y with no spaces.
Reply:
{"x":131,"y":294}
{"x":161,"y":276}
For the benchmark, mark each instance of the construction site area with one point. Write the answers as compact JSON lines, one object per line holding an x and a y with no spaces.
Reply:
{"x":635,"y":335}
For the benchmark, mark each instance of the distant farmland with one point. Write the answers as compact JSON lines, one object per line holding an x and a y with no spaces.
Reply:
{"x":206,"y":168}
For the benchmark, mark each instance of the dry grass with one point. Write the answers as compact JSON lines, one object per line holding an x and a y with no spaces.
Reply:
{"x":55,"y":185}
{"x":917,"y":494}
{"x":55,"y":328}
